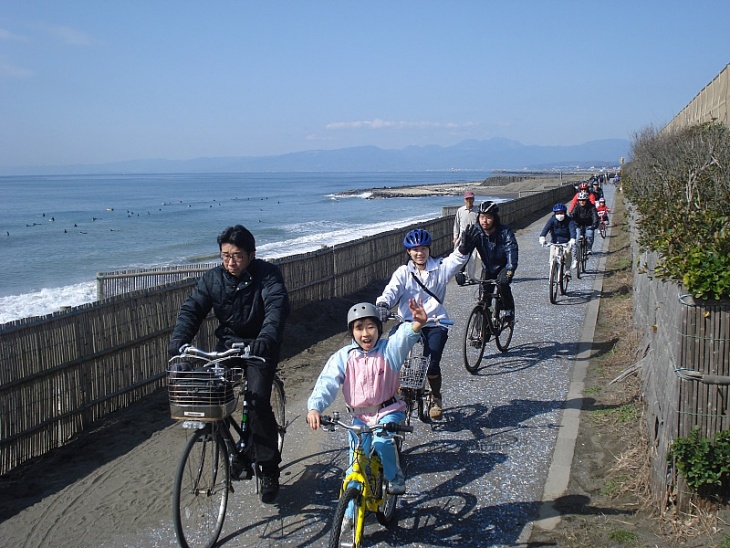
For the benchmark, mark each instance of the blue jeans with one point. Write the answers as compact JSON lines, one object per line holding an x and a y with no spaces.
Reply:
{"x":384,"y":446}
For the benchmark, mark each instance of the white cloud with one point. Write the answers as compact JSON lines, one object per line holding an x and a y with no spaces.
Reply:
{"x":10,"y":37}
{"x":69,"y":36}
{"x":378,"y":123}
{"x":8,"y":70}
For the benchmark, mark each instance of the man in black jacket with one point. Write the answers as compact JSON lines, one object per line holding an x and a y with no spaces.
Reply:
{"x":251,"y":303}
{"x":497,"y":246}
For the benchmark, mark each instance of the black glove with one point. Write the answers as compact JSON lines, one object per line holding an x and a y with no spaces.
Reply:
{"x":262,"y":348}
{"x":468,"y":242}
{"x":460,"y":278}
{"x":505,"y":276}
{"x":173,"y":349}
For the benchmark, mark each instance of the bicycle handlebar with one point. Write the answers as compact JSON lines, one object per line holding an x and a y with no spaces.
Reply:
{"x":237,"y":350}
{"x":473,"y":281}
{"x":432,"y":319}
{"x":359,"y":429}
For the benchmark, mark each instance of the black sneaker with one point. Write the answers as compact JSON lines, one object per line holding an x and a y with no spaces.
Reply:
{"x":241,"y":468}
{"x":269,"y":487}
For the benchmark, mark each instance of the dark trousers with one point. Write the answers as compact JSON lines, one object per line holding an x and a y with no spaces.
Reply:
{"x":434,"y":341}
{"x":262,"y":432}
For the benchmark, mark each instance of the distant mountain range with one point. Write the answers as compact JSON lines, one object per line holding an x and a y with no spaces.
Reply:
{"x":493,"y":154}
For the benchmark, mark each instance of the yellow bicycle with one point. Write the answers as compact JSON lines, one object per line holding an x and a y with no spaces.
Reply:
{"x":364,"y":485}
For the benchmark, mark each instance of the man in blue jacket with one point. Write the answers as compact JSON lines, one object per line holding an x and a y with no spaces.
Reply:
{"x":497,"y":246}
{"x":251,"y":304}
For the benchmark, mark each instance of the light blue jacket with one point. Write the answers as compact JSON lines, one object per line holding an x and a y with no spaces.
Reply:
{"x":367,"y":378}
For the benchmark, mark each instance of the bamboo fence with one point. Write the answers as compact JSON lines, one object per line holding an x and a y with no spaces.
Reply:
{"x":61,"y":373}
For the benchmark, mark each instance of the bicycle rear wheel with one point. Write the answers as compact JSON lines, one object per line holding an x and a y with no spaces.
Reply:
{"x":553,"y":282}
{"x":475,"y":339}
{"x":347,"y":532}
{"x":278,"y":406}
{"x":564,"y":278}
{"x":200,"y":492}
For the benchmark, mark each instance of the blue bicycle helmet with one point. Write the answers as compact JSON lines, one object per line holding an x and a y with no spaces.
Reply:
{"x":559,"y":207}
{"x":417,"y":237}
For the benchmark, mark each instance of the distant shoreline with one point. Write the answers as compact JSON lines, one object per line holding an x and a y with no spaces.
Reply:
{"x":509,"y":186}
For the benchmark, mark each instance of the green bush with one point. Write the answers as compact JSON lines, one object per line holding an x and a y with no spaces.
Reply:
{"x":680,"y":184}
{"x":704,"y":465}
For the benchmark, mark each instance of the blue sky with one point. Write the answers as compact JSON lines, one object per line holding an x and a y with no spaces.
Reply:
{"x":102,"y":81}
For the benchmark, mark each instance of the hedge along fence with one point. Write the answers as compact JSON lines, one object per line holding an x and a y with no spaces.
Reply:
{"x":62,"y":372}
{"x":685,"y":371}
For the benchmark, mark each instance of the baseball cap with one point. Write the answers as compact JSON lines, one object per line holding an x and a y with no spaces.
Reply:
{"x":468,"y":194}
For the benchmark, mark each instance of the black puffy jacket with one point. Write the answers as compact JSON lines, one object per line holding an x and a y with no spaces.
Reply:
{"x":498,"y":250}
{"x":255,"y":305}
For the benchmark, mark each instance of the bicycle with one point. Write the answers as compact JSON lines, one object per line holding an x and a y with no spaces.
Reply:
{"x":413,"y":386}
{"x":581,"y":253}
{"x":204,"y":392}
{"x":364,"y":485}
{"x":559,"y":271}
{"x":485,"y":321}
{"x":602,"y":224}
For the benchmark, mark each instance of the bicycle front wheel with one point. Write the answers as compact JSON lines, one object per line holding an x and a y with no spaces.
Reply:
{"x":347,"y":532}
{"x":553,"y":282}
{"x":503,"y":329}
{"x":421,"y":397}
{"x":578,"y":260}
{"x":200,"y":493}
{"x":564,"y":278}
{"x":475,"y":339}
{"x":584,"y":256}
{"x":408,"y":395}
{"x":278,"y":406}
{"x":602,"y":230}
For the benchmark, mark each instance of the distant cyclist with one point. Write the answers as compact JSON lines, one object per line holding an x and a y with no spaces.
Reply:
{"x":596,"y":191}
{"x":562,"y":231}
{"x":603,"y":210}
{"x":497,"y":246}
{"x":582,"y":187}
{"x":586,"y":218}
{"x":424,"y":279}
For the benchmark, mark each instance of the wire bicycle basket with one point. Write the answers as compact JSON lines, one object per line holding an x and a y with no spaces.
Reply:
{"x":413,"y":372}
{"x":202,"y":393}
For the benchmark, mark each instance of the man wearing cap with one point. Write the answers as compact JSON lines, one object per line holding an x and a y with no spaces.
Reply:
{"x":466,"y":216}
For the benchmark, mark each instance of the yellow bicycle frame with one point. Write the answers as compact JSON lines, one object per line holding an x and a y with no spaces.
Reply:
{"x":359,"y":475}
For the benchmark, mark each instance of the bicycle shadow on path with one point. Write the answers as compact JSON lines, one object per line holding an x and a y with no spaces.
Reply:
{"x":449,"y":488}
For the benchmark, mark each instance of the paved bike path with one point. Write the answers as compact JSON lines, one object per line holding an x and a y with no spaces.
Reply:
{"x":481,"y":476}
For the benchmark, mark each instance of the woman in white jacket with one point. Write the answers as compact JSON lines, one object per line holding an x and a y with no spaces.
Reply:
{"x":424,"y":279}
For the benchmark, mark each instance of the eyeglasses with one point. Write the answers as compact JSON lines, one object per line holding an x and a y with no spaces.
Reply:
{"x":232,"y":257}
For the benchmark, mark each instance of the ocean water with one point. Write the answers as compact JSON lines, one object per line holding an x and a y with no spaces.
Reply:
{"x":57,"y":232}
